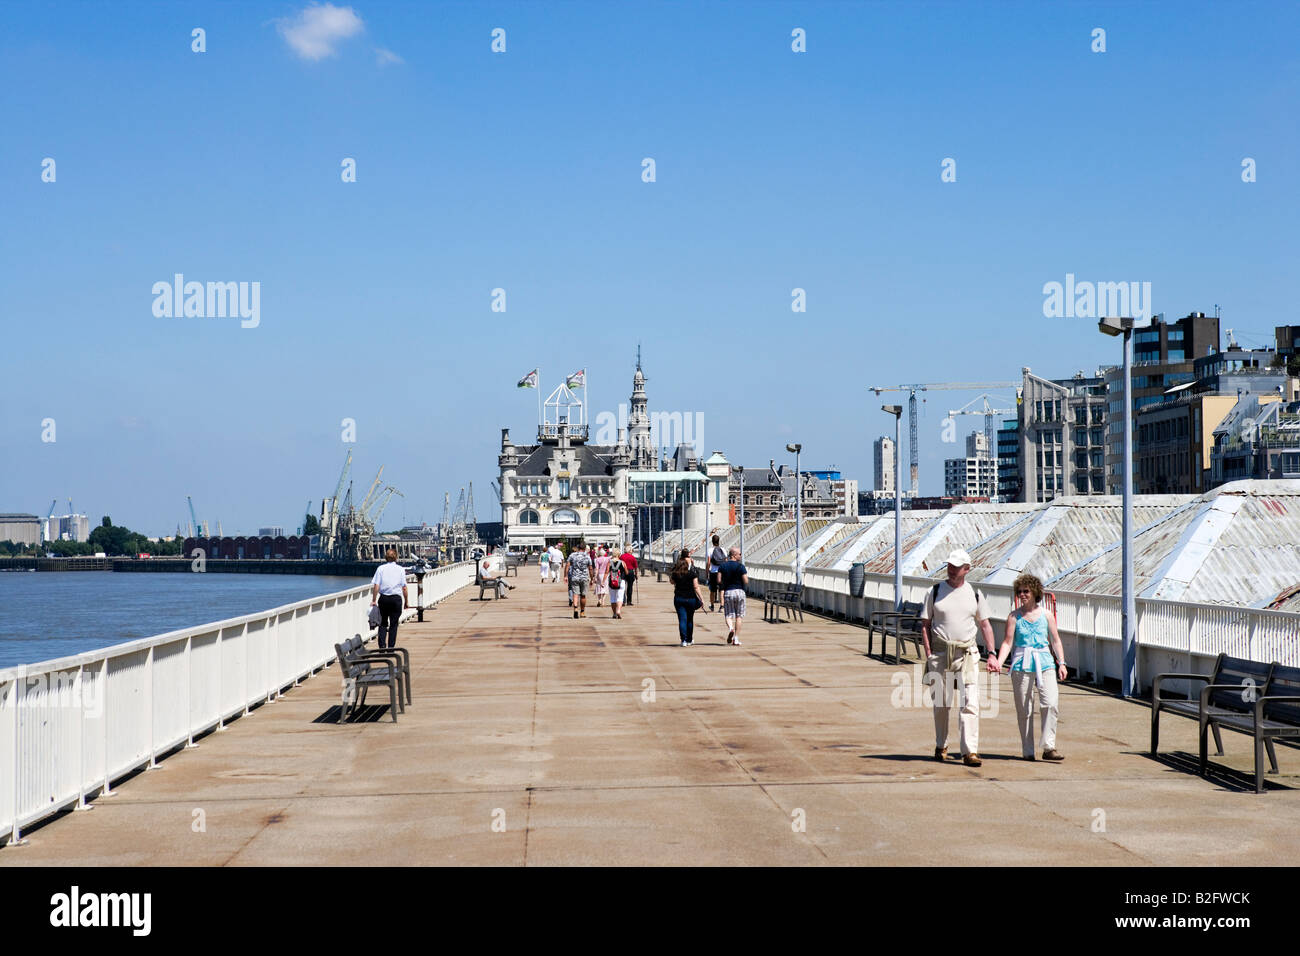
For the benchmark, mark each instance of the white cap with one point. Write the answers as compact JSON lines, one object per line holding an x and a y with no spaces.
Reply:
{"x":958,"y":558}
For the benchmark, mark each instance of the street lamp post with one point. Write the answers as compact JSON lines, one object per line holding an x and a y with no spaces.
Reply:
{"x":741,"y":470}
{"x":897,"y":412}
{"x":1128,"y":676}
{"x":798,"y":517}
{"x":681,"y":494}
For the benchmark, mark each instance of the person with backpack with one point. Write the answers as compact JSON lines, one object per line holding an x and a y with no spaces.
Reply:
{"x":955,"y":614}
{"x":717,"y":558}
{"x":616,"y":587}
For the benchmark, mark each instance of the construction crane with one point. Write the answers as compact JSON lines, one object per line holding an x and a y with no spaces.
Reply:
{"x":471,"y":519}
{"x":990,"y":416}
{"x":381,"y":502}
{"x":913,"y":450}
{"x":369,"y":499}
{"x":194,"y":521}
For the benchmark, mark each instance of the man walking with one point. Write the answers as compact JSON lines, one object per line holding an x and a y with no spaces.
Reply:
{"x":629,"y":574}
{"x":557,"y":559}
{"x":388,"y":592}
{"x":717,"y":558}
{"x":953,"y":617}
{"x":577,"y":571}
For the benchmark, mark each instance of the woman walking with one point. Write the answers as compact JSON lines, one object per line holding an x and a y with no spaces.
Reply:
{"x":616,"y":585}
{"x":733,"y":579}
{"x":545,"y":561}
{"x":1037,"y":658}
{"x":602,"y":574}
{"x":686,"y":596}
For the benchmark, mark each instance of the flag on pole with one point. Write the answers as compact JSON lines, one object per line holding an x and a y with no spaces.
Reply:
{"x":529,"y":380}
{"x":577,"y":380}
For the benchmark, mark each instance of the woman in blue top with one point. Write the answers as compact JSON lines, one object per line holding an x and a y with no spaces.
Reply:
{"x":1037,"y":658}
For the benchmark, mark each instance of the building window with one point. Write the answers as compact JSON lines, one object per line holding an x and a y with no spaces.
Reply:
{"x":600,"y":516}
{"x":565,"y":516}
{"x":604,"y":487}
{"x":731,"y":499}
{"x":528,"y":517}
{"x":564,"y":488}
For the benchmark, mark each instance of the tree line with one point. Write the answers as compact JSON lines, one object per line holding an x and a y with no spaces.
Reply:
{"x":111,"y":539}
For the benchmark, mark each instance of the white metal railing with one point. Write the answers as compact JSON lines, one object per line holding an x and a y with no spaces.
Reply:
{"x":1173,"y":636}
{"x":70,"y":727}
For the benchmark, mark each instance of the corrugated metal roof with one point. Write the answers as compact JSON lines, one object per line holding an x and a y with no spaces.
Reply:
{"x":1237,"y":545}
{"x":1064,"y":533}
{"x":962,"y":527}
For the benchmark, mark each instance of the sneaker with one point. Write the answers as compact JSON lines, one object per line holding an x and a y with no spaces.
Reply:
{"x":972,"y":760}
{"x":1053,"y":755}
{"x":940,"y":753}
{"x":736,"y":641}
{"x":582,"y":614}
{"x":684,"y":644}
{"x":690,"y":643}
{"x":731,"y":637}
{"x":575,"y":613}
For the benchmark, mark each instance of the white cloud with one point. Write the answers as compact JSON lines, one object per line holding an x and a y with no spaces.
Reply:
{"x":384,"y":57}
{"x":318,"y":29}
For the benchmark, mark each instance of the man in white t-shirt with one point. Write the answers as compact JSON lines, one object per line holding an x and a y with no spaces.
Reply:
{"x":388,"y":593}
{"x":953,"y":617}
{"x":557,"y":559}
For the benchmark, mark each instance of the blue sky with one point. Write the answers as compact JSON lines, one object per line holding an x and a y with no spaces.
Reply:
{"x":522,"y":170}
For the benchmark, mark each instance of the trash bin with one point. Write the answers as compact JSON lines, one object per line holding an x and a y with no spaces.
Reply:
{"x":857,"y":579}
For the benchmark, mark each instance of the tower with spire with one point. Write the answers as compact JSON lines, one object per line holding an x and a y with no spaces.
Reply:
{"x":638,"y":423}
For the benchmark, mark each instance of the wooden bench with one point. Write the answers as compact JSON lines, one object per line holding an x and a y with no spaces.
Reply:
{"x":363,"y":672}
{"x":498,"y":585}
{"x":905,"y":624}
{"x":789,"y":597}
{"x":400,"y":657}
{"x":1250,"y":697}
{"x":513,"y":562}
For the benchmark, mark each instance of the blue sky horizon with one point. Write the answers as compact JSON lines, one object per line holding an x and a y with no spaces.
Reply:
{"x":522,"y":170}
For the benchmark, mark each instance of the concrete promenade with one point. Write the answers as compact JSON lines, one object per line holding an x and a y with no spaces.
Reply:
{"x":534,"y":739}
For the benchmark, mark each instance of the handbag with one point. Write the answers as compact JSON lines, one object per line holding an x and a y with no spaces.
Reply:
{"x":375,"y":618}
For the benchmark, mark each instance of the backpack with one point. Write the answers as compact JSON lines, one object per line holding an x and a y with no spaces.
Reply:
{"x":613,"y":573}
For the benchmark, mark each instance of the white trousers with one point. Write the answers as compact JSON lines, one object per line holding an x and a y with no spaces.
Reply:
{"x":960,"y":687}
{"x":1023,"y":687}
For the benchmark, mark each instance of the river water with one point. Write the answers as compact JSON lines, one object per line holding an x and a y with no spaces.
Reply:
{"x":49,"y":614}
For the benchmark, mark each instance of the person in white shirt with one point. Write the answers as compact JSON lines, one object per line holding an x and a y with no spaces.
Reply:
{"x":388,"y":591}
{"x":557,"y":561}
{"x":955,"y":614}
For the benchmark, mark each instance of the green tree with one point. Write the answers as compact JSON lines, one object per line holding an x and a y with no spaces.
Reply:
{"x":310,"y":525}
{"x":1293,"y":366}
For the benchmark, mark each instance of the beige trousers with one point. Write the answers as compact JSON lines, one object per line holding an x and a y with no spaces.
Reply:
{"x":958,"y":685}
{"x":1023,"y":686}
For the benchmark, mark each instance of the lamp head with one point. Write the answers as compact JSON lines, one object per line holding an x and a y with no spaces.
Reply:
{"x":1118,"y":325}
{"x":892,"y":409}
{"x":794,"y":448}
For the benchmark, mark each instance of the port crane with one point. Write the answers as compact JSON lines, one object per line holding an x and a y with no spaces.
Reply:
{"x":913,"y":450}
